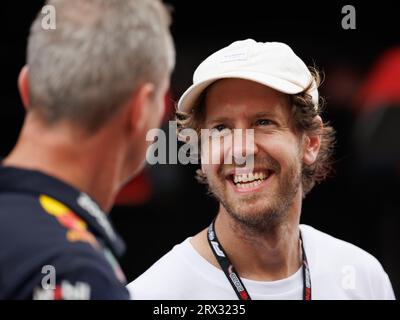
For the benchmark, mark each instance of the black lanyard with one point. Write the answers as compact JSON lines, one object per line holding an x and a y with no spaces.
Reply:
{"x":232,"y":275}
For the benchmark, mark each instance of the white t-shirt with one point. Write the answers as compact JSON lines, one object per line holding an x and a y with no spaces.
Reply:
{"x":339,"y":270}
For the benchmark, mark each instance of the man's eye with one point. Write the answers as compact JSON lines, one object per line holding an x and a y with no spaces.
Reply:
{"x":219,"y":127}
{"x":220,"y":130}
{"x":263,"y":122}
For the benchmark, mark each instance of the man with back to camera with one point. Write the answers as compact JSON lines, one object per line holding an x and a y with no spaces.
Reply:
{"x":92,"y":88}
{"x":256,"y":248}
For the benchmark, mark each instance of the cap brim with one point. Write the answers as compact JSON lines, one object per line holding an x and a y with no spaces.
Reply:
{"x":188,"y":100}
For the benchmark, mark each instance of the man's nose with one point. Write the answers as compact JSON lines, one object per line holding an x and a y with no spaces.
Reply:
{"x":244,"y":147}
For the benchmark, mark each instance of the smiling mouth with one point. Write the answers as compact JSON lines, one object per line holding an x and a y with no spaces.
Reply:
{"x":249,"y":181}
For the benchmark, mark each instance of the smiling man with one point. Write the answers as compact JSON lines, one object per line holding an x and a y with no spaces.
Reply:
{"x":256,"y":247}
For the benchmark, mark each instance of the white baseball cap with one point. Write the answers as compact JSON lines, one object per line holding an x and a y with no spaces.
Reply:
{"x":273,"y":64}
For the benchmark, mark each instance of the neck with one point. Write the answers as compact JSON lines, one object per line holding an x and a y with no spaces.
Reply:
{"x":272,"y":255}
{"x":90,"y":163}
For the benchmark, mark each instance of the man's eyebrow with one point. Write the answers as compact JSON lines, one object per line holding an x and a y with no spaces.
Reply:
{"x":264,"y":114}
{"x":250,"y":116}
{"x":217,"y":120}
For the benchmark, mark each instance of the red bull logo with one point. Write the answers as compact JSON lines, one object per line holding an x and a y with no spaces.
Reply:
{"x":77,"y":228}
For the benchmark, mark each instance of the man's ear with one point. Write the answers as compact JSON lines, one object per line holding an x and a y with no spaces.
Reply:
{"x":139,"y":106}
{"x":311,"y":145}
{"x":23,"y":86}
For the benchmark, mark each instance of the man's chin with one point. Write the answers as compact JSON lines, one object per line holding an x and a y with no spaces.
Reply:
{"x":261,"y":221}
{"x":251,"y":210}
{"x":254,"y":204}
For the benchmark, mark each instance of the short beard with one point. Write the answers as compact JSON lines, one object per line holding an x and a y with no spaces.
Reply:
{"x":272,"y":217}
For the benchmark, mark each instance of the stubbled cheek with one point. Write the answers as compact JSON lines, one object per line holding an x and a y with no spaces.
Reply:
{"x":209,"y":170}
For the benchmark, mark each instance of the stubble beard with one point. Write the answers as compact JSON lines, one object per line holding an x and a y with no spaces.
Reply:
{"x":267,"y":217}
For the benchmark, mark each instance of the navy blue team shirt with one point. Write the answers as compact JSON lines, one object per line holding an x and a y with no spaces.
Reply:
{"x":55,"y":241}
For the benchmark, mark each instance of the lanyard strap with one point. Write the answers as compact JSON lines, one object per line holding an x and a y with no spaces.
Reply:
{"x":233,"y":277}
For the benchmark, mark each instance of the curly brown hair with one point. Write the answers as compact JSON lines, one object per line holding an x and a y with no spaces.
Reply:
{"x":303,"y":115}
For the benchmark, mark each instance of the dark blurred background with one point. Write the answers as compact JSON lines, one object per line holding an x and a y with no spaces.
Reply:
{"x":359,"y":204}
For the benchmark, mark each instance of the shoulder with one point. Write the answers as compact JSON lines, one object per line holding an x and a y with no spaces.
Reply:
{"x":332,"y":248}
{"x":25,"y":223}
{"x":77,"y":271}
{"x":81,"y":274}
{"x":345,"y":265}
{"x":46,"y":236}
{"x":40,"y":224}
{"x":166,"y":277}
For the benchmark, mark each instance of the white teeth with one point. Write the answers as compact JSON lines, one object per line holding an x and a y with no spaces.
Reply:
{"x":249,"y":180}
{"x":249,"y":177}
{"x":248,"y":185}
